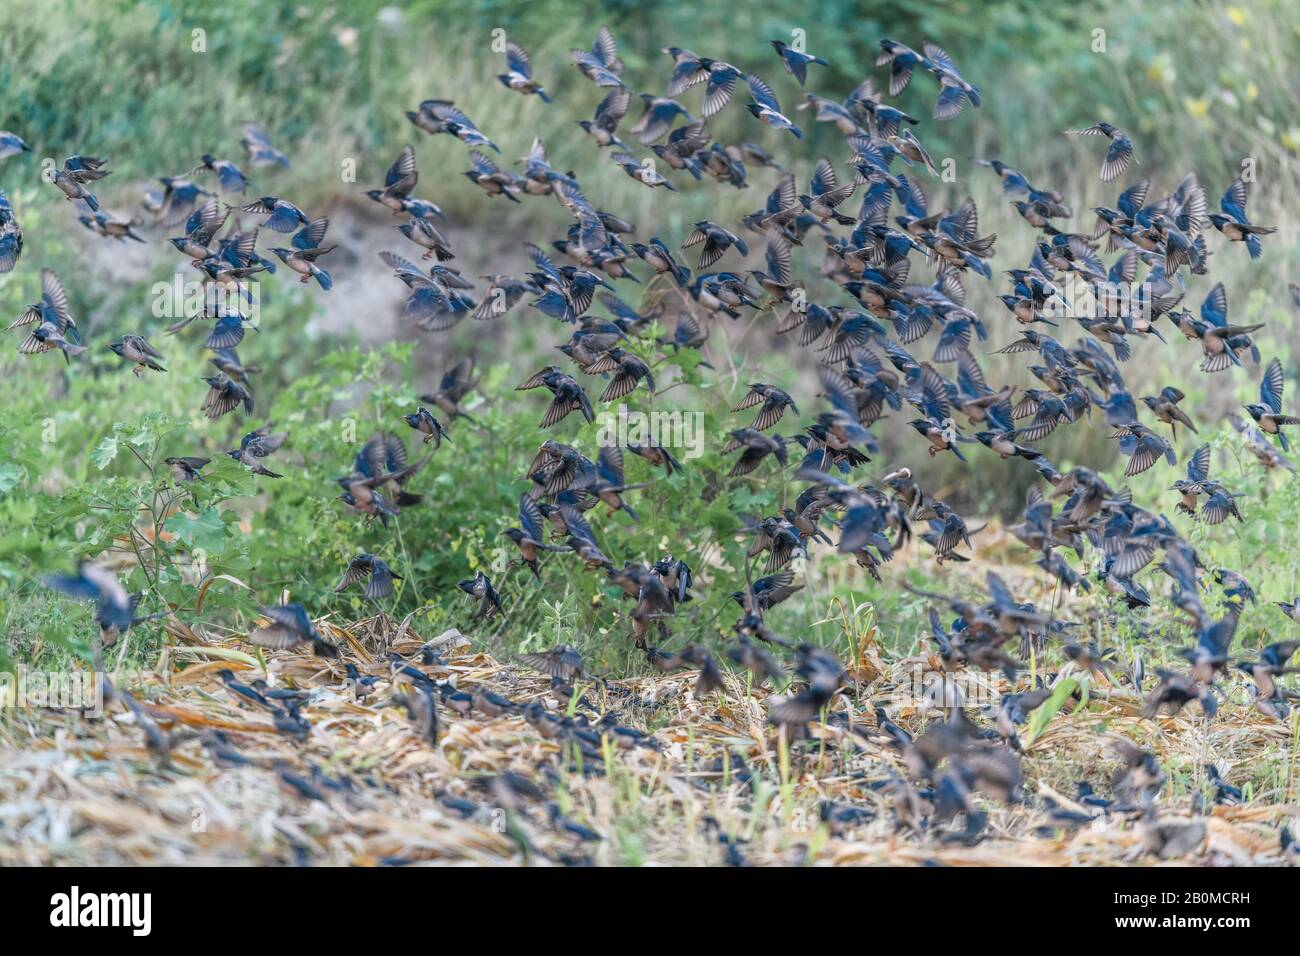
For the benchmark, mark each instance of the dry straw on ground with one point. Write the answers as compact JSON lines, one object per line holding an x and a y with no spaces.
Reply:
{"x":716,"y":788}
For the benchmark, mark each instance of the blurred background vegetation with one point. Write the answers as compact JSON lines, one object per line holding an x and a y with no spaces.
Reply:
{"x":1199,"y":85}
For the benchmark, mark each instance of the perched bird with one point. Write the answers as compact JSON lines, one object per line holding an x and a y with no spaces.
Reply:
{"x":244,"y":693}
{"x":569,"y":828}
{"x":422,"y":709}
{"x":1290,"y":609}
{"x":361,"y":685}
{"x":158,"y":742}
{"x":1224,"y":792}
{"x":185,"y":470}
{"x":1169,"y":839}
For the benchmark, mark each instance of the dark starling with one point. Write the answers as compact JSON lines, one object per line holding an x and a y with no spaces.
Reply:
{"x":288,"y":625}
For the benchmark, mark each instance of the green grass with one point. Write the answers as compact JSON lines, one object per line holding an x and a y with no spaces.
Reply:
{"x":123,"y":80}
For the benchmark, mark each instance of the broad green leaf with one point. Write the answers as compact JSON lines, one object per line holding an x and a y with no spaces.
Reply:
{"x":1044,"y":714}
{"x":10,"y":475}
{"x":104,"y":452}
{"x":206,"y":531}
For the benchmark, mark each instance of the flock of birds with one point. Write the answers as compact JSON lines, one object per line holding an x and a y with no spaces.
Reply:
{"x":868,"y":345}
